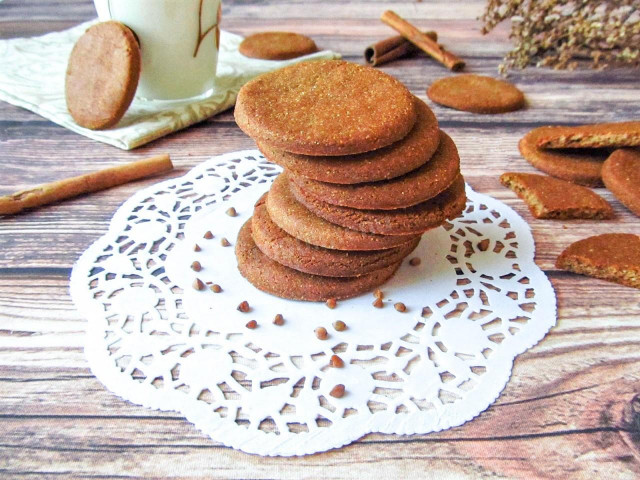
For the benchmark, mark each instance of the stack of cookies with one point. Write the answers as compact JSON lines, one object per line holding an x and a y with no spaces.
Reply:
{"x":366,"y":172}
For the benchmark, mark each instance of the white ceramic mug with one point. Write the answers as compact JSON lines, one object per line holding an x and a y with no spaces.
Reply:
{"x":179,"y":41}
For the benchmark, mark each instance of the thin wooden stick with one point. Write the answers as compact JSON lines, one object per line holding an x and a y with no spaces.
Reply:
{"x":422,"y":41}
{"x":90,"y":182}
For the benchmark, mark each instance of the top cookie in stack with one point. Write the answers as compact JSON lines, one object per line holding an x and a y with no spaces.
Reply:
{"x":367,"y":171}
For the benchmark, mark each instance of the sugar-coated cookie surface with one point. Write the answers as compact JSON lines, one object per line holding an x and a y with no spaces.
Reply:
{"x":578,"y":166}
{"x":399,"y":158}
{"x":598,"y":135}
{"x":611,"y":256}
{"x":549,"y":197}
{"x":102,"y":75}
{"x":621,"y":175}
{"x":277,"y":279}
{"x":277,"y":45}
{"x":476,"y":93}
{"x":325,"y":108}
{"x":410,"y":189}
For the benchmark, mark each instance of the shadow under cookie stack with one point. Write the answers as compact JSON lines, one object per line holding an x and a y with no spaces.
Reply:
{"x":366,"y":172}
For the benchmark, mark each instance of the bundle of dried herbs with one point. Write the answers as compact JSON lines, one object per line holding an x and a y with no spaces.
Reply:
{"x":560,"y":33}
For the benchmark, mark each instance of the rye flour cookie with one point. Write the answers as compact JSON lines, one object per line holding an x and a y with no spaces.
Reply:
{"x":476,"y":93}
{"x":397,"y":159}
{"x":400,"y":192}
{"x":578,"y":166}
{"x":295,"y":219}
{"x":621,"y":175}
{"x":281,"y":247}
{"x":276,"y":279}
{"x":277,"y":45}
{"x":549,"y":197}
{"x":325,"y":108}
{"x":599,"y":135}
{"x":413,"y":220}
{"x":613,"y":256}
{"x":102,"y":75}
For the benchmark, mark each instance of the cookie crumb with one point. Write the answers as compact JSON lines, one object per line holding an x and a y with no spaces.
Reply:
{"x":400,"y":307}
{"x":331,"y":303}
{"x":337,"y":391}
{"x":336,"y":361}
{"x":196,"y":266}
{"x":415,"y":261}
{"x":244,"y":307}
{"x":252,"y":324}
{"x":339,"y":325}
{"x":196,"y":248}
{"x":231,"y":212}
{"x":224,"y":242}
{"x":215,"y":288}
{"x":378,"y":303}
{"x":378,"y":294}
{"x":208,"y":235}
{"x":198,"y":285}
{"x":321,"y":333}
{"x":278,"y":320}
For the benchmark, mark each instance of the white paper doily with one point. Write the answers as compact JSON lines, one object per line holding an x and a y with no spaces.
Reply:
{"x":475,"y":302}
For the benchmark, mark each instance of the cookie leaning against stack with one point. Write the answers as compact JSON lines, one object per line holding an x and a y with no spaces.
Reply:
{"x":365,"y":176}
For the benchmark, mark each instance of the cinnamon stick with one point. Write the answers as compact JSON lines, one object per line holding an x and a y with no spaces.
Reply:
{"x":90,"y":182}
{"x":391,"y":49}
{"x":422,"y":41}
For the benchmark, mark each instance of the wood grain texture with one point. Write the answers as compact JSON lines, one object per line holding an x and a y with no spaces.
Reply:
{"x":571,"y":409}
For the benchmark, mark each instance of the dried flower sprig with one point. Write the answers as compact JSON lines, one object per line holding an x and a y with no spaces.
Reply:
{"x":558,"y":33}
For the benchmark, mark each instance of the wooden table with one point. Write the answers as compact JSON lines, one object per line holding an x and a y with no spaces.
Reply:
{"x":571,"y":409}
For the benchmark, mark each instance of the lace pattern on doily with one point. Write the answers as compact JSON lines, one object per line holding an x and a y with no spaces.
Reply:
{"x":476,"y":301}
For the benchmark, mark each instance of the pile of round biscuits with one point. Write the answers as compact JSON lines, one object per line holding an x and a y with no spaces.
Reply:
{"x":366,"y":172}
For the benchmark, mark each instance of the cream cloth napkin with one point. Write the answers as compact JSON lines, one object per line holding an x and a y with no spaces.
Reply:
{"x":32,"y":73}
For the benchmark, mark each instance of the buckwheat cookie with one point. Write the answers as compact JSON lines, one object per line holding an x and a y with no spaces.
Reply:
{"x":613,"y":256}
{"x":325,"y":108}
{"x":621,"y":175}
{"x":277,"y":45}
{"x":397,"y":159}
{"x":102,"y":75}
{"x":295,"y":219}
{"x":578,"y":166}
{"x":400,"y":192}
{"x":417,"y":219}
{"x":549,"y":197}
{"x":599,"y":135}
{"x":276,"y":279}
{"x":476,"y":93}
{"x":278,"y":245}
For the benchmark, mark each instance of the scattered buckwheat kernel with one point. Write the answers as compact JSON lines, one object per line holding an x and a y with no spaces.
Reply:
{"x":215,"y":288}
{"x":198,"y":285}
{"x":231,"y":212}
{"x":244,"y":306}
{"x":378,"y":294}
{"x":378,"y":303}
{"x":331,"y":303}
{"x":337,"y":391}
{"x":336,"y":361}
{"x":414,"y":262}
{"x":224,"y":242}
{"x":196,"y":267}
{"x":208,"y":235}
{"x":278,"y":320}
{"x":321,"y":333}
{"x":252,"y":324}
{"x":400,"y":307}
{"x":196,"y":248}
{"x":339,"y":325}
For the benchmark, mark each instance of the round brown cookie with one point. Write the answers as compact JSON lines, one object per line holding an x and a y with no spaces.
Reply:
{"x":278,"y":245}
{"x":621,"y":175}
{"x":102,"y":75}
{"x":276,"y":279}
{"x":417,"y":219}
{"x":277,"y":45}
{"x":325,"y":108}
{"x":400,"y":192}
{"x":295,"y":219}
{"x":397,"y":159}
{"x":476,"y":93}
{"x":578,"y":166}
